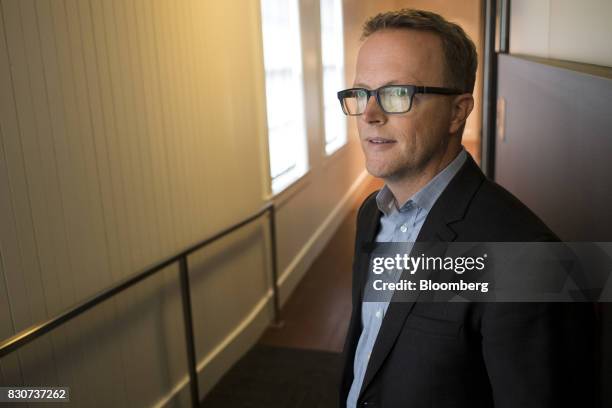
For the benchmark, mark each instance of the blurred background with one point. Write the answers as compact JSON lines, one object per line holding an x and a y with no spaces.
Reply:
{"x":178,"y":184}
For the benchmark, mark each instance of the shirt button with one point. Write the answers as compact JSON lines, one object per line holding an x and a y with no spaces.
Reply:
{"x":404,"y":228}
{"x":378,"y":314}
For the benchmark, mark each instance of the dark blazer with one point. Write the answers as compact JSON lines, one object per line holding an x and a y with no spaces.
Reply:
{"x":444,"y":355}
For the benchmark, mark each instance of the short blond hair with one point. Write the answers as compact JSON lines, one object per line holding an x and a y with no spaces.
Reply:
{"x":459,"y":50}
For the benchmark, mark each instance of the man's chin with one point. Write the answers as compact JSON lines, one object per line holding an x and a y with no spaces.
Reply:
{"x":390,"y":174}
{"x":379,"y":172}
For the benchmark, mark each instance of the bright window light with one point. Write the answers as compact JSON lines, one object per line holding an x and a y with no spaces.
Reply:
{"x":284,"y":91}
{"x":332,"y":54}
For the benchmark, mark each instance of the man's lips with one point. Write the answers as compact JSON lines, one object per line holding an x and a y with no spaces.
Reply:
{"x":379,"y":140}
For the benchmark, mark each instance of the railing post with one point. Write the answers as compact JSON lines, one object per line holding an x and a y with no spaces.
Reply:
{"x":188,"y":322}
{"x":277,"y":323}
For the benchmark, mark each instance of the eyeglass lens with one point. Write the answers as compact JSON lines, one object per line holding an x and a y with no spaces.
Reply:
{"x":394,"y":99}
{"x":355,"y":102}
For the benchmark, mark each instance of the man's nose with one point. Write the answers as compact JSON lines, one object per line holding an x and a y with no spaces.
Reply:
{"x":373,"y":114}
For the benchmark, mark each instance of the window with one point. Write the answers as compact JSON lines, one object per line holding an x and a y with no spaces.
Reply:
{"x":332,"y":55}
{"x":284,"y":91}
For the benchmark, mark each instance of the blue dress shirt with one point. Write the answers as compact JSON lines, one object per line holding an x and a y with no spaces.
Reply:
{"x":397,"y":225}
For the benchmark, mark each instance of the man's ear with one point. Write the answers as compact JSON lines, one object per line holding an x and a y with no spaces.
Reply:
{"x":460,"y":110}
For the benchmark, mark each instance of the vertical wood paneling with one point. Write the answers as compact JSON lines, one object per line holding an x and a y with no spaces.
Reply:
{"x":90,"y":275}
{"x":168,"y":123}
{"x":49,"y":226}
{"x":16,"y":102}
{"x":123,"y":99}
{"x":200,"y":131}
{"x":214,"y":98}
{"x":129,"y":129}
{"x":160,"y":128}
{"x":9,"y":249}
{"x":233,"y":94}
{"x":164,"y":64}
{"x":64,"y":115}
{"x":106,"y":34}
{"x":23,"y":162}
{"x":110,"y":363}
{"x":143,"y":130}
{"x":156,"y":168}
{"x":10,"y":370}
{"x":142,"y":347}
{"x":179,"y":113}
{"x":137,"y":121}
{"x":139,"y":346}
{"x":152,"y":130}
{"x":6,"y":329}
{"x":54,"y":147}
{"x":72,"y":171}
{"x":157,"y":178}
{"x":196,"y":116}
{"x":121,"y":74}
{"x":203,"y":129}
{"x":114,"y":114}
{"x":43,"y":184}
{"x":91,"y":268}
{"x":56,"y":132}
{"x":95,"y":144}
{"x":187,"y":76}
{"x":246,"y":86}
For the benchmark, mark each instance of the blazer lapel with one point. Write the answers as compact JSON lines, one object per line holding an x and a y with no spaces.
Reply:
{"x":367,"y":229}
{"x":449,"y":208}
{"x":370,"y":230}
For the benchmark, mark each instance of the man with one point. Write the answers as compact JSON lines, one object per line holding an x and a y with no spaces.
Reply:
{"x":411,"y":97}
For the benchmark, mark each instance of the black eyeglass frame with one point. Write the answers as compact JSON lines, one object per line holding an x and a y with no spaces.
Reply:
{"x":412,"y":90}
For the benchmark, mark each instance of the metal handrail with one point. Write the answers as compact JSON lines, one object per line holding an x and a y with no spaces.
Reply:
{"x":33,"y":332}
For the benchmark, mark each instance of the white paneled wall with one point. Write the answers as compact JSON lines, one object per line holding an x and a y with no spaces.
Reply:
{"x":130,"y":129}
{"x":567,"y":30}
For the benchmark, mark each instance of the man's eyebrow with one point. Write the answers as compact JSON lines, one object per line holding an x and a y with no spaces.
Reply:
{"x":393,"y":82}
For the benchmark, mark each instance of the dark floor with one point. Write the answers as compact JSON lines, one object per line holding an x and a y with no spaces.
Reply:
{"x":298,"y":365}
{"x":279,"y":377}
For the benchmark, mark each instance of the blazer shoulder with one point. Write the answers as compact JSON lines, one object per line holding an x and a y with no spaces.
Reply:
{"x":505,"y":217}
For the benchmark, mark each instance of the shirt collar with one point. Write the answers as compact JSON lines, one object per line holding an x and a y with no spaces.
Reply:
{"x":426,"y":197}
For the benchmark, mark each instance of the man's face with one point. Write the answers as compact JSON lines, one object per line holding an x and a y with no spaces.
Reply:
{"x":412,"y":139}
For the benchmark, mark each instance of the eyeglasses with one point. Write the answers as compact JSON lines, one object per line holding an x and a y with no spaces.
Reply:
{"x":390,"y":98}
